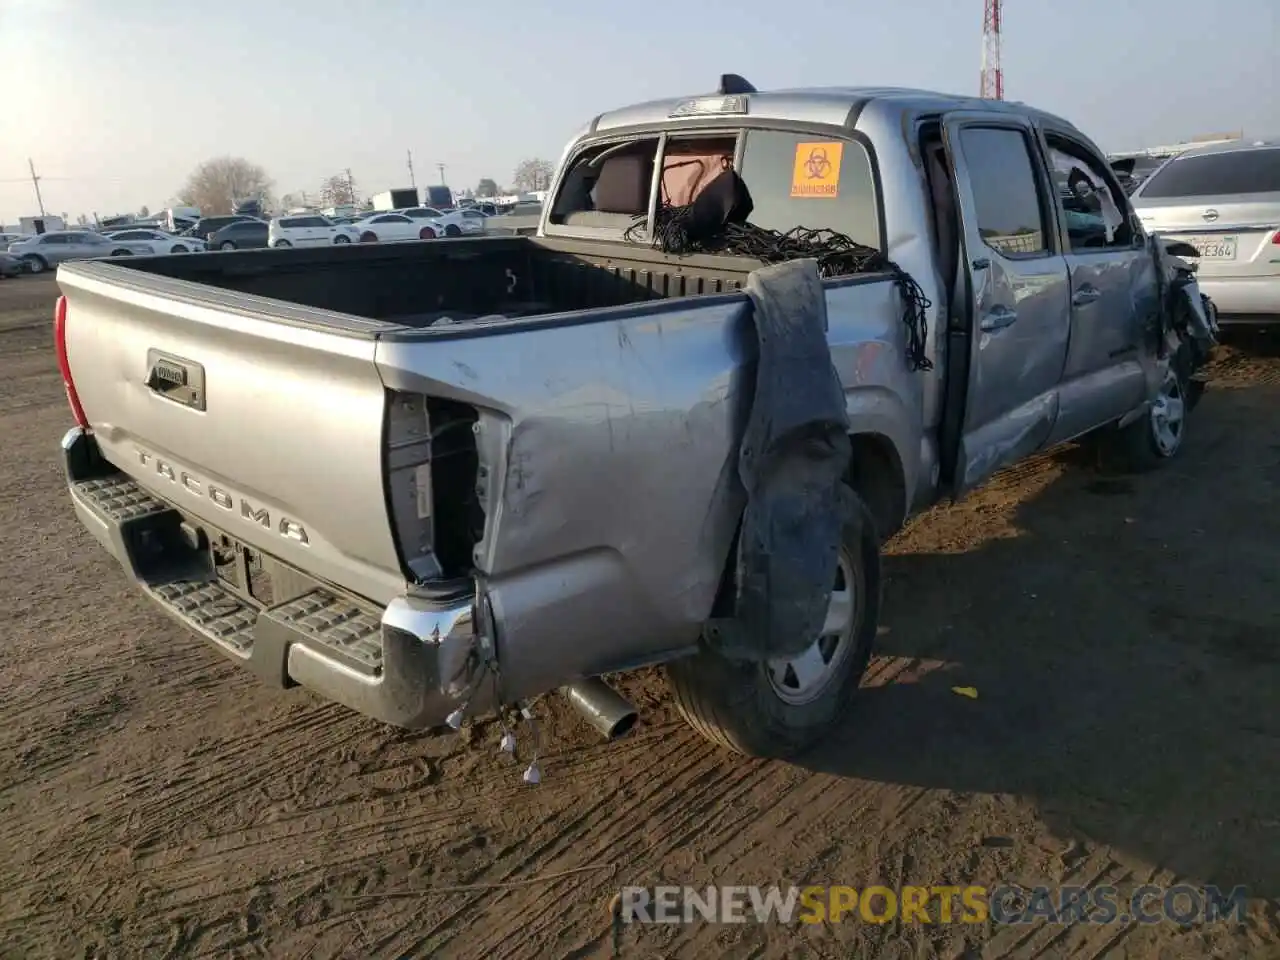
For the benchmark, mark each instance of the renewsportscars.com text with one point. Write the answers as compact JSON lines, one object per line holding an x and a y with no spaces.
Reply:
{"x":1182,"y":904}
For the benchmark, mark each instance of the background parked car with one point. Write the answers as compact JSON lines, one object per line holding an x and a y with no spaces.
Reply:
{"x":309,"y":230}
{"x":47,"y":250}
{"x":248,"y":234}
{"x":453,"y":223}
{"x":1224,"y":200}
{"x":8,"y":238}
{"x":389,"y":228}
{"x":206,"y":227}
{"x":11,"y":266}
{"x":160,"y":241}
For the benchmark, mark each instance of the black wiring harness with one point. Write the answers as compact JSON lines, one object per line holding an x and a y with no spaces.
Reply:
{"x":677,"y":231}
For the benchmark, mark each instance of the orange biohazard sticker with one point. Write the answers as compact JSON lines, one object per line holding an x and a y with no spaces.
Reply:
{"x":817,"y":170}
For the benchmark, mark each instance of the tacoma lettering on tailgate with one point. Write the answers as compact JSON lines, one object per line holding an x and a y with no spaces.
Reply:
{"x":228,"y":501}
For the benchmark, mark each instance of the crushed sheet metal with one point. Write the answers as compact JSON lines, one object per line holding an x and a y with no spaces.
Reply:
{"x":792,"y":459}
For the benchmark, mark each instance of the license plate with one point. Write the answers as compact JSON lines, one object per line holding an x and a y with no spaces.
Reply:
{"x":1214,"y":248}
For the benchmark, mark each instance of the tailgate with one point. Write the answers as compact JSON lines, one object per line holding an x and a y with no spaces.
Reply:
{"x":263,"y":419}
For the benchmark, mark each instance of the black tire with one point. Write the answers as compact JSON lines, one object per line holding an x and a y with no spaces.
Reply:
{"x":1143,"y":445}
{"x":122,"y":253}
{"x":341,"y":238}
{"x":736,"y":704}
{"x":36,"y":264}
{"x":179,"y":249}
{"x":282,"y":243}
{"x":452,"y":230}
{"x":226,"y":245}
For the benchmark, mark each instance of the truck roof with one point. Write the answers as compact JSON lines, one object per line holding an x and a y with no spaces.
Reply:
{"x":835,"y":106}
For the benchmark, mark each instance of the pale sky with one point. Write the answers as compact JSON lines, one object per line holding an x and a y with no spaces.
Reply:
{"x":117,"y":100}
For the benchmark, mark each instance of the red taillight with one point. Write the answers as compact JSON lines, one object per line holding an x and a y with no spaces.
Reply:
{"x":426,"y":233}
{"x":1276,"y":238}
{"x":64,"y":365}
{"x":368,"y":237}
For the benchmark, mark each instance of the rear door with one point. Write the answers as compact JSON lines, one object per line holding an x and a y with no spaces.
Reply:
{"x":1225,"y":203}
{"x":1113,"y":285}
{"x":1018,"y":294}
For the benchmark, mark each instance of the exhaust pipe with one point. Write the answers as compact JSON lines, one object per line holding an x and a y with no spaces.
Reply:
{"x":602,"y":707}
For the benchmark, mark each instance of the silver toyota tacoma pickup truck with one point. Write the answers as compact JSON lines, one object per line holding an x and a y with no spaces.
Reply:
{"x":442,"y":479}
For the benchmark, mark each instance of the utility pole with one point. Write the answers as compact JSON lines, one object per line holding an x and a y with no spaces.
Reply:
{"x":440,"y":167}
{"x":35,"y":182}
{"x":412,"y":182}
{"x":351,"y":187}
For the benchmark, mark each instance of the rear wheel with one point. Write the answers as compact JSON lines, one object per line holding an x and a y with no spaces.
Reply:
{"x":453,"y":230}
{"x":36,"y":264}
{"x":122,"y":253}
{"x":341,"y":238}
{"x":179,"y":249}
{"x":282,"y":243}
{"x":779,"y":708}
{"x":368,"y":237}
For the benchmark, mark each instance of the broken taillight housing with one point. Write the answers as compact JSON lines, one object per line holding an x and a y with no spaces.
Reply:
{"x":431,"y":474}
{"x":64,"y":364}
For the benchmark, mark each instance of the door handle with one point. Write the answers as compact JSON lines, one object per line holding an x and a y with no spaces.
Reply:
{"x":1085,"y":296}
{"x":997,"y":318}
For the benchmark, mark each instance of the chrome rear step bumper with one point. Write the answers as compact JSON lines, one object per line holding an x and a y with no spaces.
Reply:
{"x":391,"y":664}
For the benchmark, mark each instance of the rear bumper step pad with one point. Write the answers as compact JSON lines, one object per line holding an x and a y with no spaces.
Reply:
{"x":385,"y":664}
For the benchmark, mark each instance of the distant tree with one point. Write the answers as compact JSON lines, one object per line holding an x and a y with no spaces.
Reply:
{"x":486,"y":188}
{"x":82,"y":220}
{"x":215,"y":185}
{"x":533,"y":174}
{"x":337,"y":191}
{"x":144,"y":211}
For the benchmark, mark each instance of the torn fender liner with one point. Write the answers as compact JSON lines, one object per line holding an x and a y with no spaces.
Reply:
{"x":792,"y":459}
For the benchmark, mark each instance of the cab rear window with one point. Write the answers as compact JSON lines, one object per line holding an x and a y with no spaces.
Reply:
{"x":802,"y":180}
{"x":794,"y":180}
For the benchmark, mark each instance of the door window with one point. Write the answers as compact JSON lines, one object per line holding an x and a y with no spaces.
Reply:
{"x":1094,"y":207}
{"x":1009,"y":211}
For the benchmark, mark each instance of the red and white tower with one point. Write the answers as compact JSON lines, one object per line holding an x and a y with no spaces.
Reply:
{"x":992,"y":74}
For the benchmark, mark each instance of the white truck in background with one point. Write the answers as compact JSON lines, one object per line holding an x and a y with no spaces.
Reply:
{"x":398,"y":199}
{"x":43,"y":224}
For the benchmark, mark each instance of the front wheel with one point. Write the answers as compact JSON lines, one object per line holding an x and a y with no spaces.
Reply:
{"x":122,"y":253}
{"x":453,"y":230}
{"x":282,"y":243}
{"x":1158,"y":435}
{"x":179,"y":249}
{"x":341,"y":239}
{"x":226,"y":245}
{"x":779,"y":708}
{"x":36,"y":264}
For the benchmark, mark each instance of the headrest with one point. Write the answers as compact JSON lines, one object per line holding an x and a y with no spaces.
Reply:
{"x":623,"y":184}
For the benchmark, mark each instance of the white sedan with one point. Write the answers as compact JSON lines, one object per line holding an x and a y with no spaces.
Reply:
{"x":309,"y":230}
{"x":454,"y":223}
{"x":389,"y":228}
{"x":160,"y":241}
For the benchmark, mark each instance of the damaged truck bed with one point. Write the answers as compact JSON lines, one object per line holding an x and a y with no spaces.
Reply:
{"x":435,"y":479}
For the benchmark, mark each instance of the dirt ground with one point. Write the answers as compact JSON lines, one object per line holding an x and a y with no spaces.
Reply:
{"x":1123,"y":636}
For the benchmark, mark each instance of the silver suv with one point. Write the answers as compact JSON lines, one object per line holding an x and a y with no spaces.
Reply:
{"x":1225,"y":201}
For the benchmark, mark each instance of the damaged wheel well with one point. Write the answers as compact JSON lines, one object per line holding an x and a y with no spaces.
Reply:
{"x":875,"y":472}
